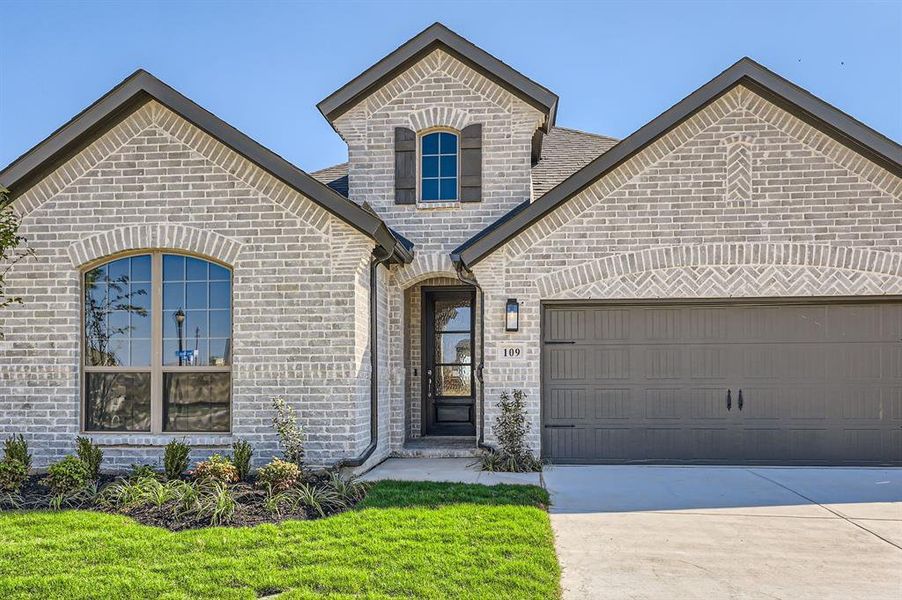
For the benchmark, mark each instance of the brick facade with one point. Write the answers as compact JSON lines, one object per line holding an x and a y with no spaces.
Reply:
{"x":300,"y":289}
{"x":741,"y":200}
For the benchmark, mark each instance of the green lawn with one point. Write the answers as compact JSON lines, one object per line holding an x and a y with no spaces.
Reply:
{"x":407,"y":540}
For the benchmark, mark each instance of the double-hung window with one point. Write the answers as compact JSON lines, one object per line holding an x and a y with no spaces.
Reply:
{"x":157,"y":345}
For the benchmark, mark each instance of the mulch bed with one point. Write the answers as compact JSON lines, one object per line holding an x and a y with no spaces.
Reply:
{"x":249,"y":511}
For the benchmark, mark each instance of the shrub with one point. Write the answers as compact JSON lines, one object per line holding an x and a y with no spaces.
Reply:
{"x":67,"y":476}
{"x":16,"y":448}
{"x":142,"y":471}
{"x":511,"y":428}
{"x":279,"y":475}
{"x":175,"y":459}
{"x":350,"y":490}
{"x":242,"y":458}
{"x":291,"y":438}
{"x":12,"y":475}
{"x":90,"y":454}
{"x":217,"y":468}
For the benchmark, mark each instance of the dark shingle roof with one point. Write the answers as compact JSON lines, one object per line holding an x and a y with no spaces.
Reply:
{"x":564,"y":152}
{"x":336,"y":177}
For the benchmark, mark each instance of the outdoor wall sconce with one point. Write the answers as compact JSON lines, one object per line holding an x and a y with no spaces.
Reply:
{"x":512,"y":315}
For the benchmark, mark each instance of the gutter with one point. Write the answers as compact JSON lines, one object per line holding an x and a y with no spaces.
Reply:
{"x":375,"y":262}
{"x":467,"y":277}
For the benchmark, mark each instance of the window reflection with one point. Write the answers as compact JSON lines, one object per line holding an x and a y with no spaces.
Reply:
{"x":196,"y":402}
{"x":117,"y":401}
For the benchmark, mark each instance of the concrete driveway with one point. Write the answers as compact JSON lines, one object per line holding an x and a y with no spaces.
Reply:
{"x":712,"y":532}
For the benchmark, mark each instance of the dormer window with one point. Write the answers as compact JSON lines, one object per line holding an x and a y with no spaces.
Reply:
{"x":438,"y":167}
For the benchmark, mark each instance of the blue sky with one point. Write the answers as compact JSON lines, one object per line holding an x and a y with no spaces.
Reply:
{"x":263,"y":66}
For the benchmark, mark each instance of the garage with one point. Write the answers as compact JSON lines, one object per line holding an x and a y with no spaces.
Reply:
{"x":792,"y":382}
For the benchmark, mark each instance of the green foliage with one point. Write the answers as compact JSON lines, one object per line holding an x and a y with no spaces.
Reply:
{"x":217,"y":468}
{"x":241,"y":458}
{"x":16,"y":448}
{"x":348,"y":489}
{"x":90,"y":454}
{"x":511,"y":428}
{"x":217,"y":502}
{"x":11,"y":500}
{"x":141,"y":471}
{"x":279,"y":475}
{"x":12,"y":475}
{"x":416,"y":540}
{"x":318,"y":498}
{"x":175,"y":459}
{"x":13,"y":247}
{"x":291,"y":438}
{"x":67,"y":476}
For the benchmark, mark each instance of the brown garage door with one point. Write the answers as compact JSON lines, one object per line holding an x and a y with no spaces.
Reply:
{"x":765,"y":383}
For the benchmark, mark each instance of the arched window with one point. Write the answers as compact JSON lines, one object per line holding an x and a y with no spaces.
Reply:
{"x":438,"y":167}
{"x":157,"y":345}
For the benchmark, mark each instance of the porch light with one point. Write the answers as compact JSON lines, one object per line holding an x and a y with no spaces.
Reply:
{"x":512,"y":315}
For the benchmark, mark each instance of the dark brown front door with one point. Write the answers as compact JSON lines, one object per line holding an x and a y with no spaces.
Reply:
{"x":448,"y":386}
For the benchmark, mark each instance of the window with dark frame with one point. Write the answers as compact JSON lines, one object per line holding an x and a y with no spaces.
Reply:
{"x":438,"y":167}
{"x":157,"y":345}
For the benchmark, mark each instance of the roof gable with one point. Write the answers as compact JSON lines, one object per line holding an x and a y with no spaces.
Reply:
{"x":781,"y":92}
{"x":142,"y":87}
{"x":439,"y":36}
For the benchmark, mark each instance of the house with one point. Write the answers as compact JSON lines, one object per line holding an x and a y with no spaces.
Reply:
{"x":722,"y":286}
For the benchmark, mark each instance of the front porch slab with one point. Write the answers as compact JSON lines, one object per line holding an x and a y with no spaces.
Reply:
{"x":457,"y":470}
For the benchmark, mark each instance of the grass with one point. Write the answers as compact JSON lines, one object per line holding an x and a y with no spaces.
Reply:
{"x":406,"y":540}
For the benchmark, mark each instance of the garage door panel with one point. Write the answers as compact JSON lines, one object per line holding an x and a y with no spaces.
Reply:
{"x":821,"y":383}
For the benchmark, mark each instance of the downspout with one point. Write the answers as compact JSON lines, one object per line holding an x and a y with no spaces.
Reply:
{"x":358,"y":461}
{"x":467,"y":277}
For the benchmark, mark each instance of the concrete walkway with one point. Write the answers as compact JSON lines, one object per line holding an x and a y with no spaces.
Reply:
{"x":705,"y":532}
{"x":459,"y":470}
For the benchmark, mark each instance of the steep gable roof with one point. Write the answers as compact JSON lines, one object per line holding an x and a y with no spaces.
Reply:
{"x":141,"y":87}
{"x":439,"y":36}
{"x":783,"y":93}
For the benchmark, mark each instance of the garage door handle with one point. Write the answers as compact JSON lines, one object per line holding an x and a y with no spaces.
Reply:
{"x":739,"y":400}
{"x":729,"y":400}
{"x":561,"y":342}
{"x":558,"y":426}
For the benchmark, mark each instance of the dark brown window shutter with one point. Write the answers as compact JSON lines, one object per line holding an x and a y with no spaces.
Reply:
{"x":405,"y":166}
{"x":471,"y":163}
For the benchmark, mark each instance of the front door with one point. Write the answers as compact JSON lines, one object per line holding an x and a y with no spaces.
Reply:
{"x":448,"y":382}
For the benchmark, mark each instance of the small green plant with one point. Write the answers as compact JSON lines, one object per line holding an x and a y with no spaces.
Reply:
{"x":280,"y":475}
{"x":16,"y":448}
{"x":291,"y":438}
{"x":349,"y":490}
{"x":12,"y":475}
{"x":217,"y":468}
{"x":90,"y":454}
{"x":67,"y":476}
{"x":175,"y":459}
{"x":217,"y":502}
{"x":276,"y":502}
{"x":319,"y":499}
{"x":142,"y":471}
{"x":11,"y":500}
{"x":241,"y":458}
{"x":511,"y":428}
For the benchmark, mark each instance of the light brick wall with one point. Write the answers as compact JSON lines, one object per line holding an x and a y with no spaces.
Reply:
{"x":437,"y":91}
{"x":743,"y":199}
{"x":300,"y":298}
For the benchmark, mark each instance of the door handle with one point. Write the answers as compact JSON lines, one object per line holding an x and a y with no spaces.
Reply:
{"x":739,"y":400}
{"x":429,"y":383}
{"x":729,"y":400}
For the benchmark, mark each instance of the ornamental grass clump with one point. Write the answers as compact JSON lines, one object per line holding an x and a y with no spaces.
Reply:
{"x":511,"y":428}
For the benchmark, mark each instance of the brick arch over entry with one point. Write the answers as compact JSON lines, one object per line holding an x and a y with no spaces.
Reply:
{"x":425,"y":266}
{"x":725,"y":270}
{"x":140,"y":237}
